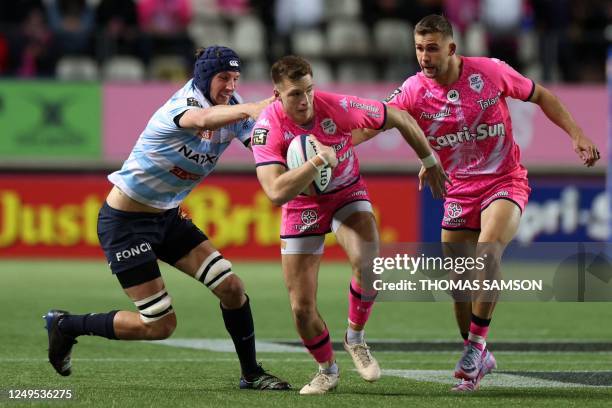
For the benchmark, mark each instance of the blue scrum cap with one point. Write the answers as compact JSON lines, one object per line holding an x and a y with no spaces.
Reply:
{"x":213,"y":60}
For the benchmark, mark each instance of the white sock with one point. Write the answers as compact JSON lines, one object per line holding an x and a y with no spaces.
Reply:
{"x":354,"y":336}
{"x":330,"y":369}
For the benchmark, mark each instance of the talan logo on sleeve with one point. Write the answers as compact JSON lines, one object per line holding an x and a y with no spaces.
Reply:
{"x":260,"y":136}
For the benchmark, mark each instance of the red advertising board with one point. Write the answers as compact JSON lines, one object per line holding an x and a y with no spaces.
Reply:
{"x":44,"y":216}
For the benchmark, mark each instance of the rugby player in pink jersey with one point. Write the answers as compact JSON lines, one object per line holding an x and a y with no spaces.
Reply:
{"x":459,"y":102}
{"x":344,"y":207}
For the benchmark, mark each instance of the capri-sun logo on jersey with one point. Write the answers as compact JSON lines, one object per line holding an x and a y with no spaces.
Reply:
{"x":483,"y":131}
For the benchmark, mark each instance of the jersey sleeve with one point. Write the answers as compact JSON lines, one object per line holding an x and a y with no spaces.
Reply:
{"x":243,"y":130}
{"x":511,"y":82}
{"x":267,"y":141}
{"x":176,"y":107}
{"x":400,"y":97}
{"x":362,"y":113}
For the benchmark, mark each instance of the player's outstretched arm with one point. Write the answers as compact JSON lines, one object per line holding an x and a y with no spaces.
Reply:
{"x":560,"y":116}
{"x":431,"y":173}
{"x":363,"y":135}
{"x":410,"y":130}
{"x":217,"y":116}
{"x":282,"y":186}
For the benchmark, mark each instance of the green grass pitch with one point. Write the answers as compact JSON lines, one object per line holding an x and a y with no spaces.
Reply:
{"x":141,"y":374}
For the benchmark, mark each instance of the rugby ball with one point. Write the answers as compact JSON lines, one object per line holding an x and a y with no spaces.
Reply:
{"x":301,"y":149}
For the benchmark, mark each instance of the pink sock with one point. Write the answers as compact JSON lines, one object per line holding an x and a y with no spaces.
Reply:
{"x":478,"y":335}
{"x":360,"y":303}
{"x":320,"y":347}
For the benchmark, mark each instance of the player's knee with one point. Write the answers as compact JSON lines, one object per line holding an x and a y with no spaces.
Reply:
{"x":233,"y":287}
{"x":490,"y":252}
{"x":214,"y":271}
{"x":363,"y":268}
{"x":163,"y":328}
{"x":303,"y":312}
{"x":157,"y":316}
{"x":231,"y":292}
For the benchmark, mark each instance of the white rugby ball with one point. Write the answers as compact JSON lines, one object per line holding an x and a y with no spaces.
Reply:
{"x":301,"y":149}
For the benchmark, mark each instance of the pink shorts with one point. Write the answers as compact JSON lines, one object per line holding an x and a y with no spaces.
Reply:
{"x":467,"y":198}
{"x":313,"y":215}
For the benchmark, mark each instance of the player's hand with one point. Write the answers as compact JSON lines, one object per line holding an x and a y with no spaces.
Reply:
{"x":436,"y":178}
{"x":326,"y":152}
{"x":586,"y":150}
{"x":257,"y":107}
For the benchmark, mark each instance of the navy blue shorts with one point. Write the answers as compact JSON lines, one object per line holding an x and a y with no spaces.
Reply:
{"x":134,"y":239}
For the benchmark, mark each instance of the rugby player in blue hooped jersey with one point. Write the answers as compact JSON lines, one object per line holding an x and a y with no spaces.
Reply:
{"x":141,"y":222}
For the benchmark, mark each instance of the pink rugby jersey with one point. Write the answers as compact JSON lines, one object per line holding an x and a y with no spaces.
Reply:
{"x":334,"y":117}
{"x":468,"y":123}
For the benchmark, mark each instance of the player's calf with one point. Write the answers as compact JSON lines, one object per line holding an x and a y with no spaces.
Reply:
{"x":63,"y":328}
{"x":360,"y":307}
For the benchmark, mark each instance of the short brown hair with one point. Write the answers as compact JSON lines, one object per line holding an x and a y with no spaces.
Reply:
{"x":292,"y":67}
{"x":434,"y":23}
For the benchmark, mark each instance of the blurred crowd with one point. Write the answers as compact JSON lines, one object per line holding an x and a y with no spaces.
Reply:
{"x":347,"y":40}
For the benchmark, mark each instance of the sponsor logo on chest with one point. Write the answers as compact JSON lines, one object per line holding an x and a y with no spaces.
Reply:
{"x":452,"y":95}
{"x":197,"y":157}
{"x":365,"y":107}
{"x":488,"y":102}
{"x":482,"y":131}
{"x":436,"y":115}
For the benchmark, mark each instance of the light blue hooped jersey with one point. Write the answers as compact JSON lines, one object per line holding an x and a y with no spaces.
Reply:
{"x":167,"y":161}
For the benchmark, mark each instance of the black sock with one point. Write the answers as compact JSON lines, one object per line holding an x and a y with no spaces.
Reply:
{"x":480,"y":321}
{"x":91,"y":324}
{"x":239,"y":324}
